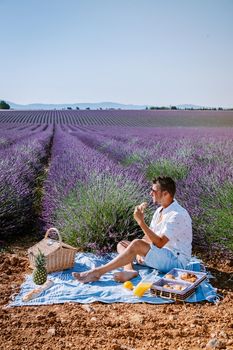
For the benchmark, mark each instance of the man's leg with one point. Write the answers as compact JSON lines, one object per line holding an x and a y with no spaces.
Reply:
{"x":129,"y":271}
{"x":121,"y":247}
{"x":126,"y":257}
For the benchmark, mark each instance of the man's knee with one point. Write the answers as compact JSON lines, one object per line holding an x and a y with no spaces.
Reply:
{"x":135,"y":245}
{"x":119,"y":245}
{"x":122,"y":245}
{"x":139,"y":246}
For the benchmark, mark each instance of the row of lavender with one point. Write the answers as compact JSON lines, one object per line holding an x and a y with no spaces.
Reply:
{"x":23,"y":154}
{"x":94,"y":160}
{"x":135,"y":118}
{"x":9,"y":134}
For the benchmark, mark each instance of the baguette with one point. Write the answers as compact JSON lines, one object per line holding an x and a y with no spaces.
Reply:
{"x":36,"y":292}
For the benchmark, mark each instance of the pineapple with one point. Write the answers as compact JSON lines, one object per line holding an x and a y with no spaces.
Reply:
{"x":40,"y":273}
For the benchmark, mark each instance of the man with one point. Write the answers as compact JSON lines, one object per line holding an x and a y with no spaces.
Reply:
{"x":166,"y":244}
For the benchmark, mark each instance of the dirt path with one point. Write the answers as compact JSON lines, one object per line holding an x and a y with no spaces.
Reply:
{"x":114,"y":326}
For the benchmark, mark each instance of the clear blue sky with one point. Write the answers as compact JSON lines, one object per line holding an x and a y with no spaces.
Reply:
{"x":156,"y":52}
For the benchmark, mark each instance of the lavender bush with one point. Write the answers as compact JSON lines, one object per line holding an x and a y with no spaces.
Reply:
{"x":165,"y":167}
{"x":99,"y":213}
{"x":218,"y":220}
{"x":88,"y":196}
{"x":21,"y":165}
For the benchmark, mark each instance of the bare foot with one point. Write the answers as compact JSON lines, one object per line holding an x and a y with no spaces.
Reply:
{"x":85,"y":277}
{"x":124,"y":276}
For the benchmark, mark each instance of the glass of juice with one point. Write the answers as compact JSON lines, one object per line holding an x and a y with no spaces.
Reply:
{"x":145,"y":284}
{"x":141,"y":288}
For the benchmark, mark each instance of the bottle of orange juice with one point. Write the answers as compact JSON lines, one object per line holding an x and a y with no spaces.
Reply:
{"x":145,"y":284}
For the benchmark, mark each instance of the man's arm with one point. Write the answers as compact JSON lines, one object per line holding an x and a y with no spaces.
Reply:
{"x":145,"y":238}
{"x":149,"y":234}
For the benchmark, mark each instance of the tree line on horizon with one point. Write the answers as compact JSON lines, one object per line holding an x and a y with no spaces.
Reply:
{"x":189,"y":108}
{"x":4,"y":105}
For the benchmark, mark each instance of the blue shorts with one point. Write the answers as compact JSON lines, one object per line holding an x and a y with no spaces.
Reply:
{"x":162,"y":259}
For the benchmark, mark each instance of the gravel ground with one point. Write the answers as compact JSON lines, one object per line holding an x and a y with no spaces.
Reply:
{"x":179,"y":326}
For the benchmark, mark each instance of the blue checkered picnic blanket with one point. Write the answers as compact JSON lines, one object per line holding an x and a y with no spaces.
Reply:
{"x":106,"y":290}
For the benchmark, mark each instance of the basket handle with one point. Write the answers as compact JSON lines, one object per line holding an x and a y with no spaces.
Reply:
{"x":164,"y":296}
{"x":56,"y":230}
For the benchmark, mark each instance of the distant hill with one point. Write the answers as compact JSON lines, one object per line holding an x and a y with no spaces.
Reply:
{"x":94,"y":106}
{"x":103,"y":105}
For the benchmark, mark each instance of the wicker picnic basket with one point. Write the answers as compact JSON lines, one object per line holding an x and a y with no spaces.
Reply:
{"x":59,"y":256}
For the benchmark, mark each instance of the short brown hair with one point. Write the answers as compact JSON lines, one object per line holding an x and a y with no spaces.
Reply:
{"x":166,"y":184}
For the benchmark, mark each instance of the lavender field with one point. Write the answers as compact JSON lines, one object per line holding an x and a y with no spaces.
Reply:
{"x":131,"y":118}
{"x":85,"y":172}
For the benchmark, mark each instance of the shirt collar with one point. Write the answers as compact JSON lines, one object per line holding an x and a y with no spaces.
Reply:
{"x":169,"y":208}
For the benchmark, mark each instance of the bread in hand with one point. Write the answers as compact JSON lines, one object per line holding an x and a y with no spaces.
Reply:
{"x":143,"y":206}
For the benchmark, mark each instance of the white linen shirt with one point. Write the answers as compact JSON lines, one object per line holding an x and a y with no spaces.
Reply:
{"x":176,"y":225}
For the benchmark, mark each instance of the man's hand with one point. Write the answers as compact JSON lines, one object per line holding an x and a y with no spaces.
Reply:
{"x":138,"y":215}
{"x":140,"y":259}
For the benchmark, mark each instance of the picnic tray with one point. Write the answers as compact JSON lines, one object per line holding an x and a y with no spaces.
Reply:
{"x":165,"y":287}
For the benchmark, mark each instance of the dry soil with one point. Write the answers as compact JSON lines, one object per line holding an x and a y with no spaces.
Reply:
{"x":180,"y":326}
